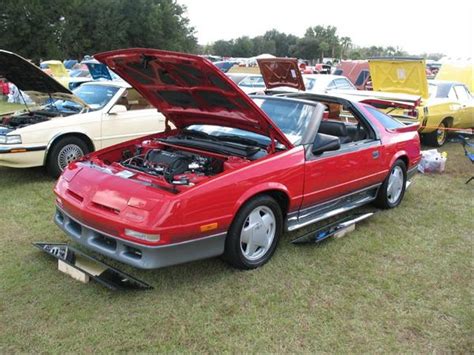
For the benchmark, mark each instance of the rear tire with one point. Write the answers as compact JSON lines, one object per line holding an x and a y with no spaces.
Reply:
{"x":254,"y":233}
{"x":437,"y":138}
{"x":63,"y":152}
{"x":391,"y":192}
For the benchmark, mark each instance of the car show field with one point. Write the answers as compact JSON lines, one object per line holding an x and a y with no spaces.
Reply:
{"x":401,"y":282}
{"x":178,"y":178}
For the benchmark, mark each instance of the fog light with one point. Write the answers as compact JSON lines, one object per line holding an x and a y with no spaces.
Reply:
{"x":144,"y":236}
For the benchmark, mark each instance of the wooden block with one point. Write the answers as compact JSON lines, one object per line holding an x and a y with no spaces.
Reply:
{"x":344,"y":231}
{"x":73,"y":272}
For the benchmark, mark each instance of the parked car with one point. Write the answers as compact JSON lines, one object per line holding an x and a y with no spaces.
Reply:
{"x":252,"y":84}
{"x":63,"y":126}
{"x":438,"y":105}
{"x":58,"y":71}
{"x":235,"y":173}
{"x":462,"y":72}
{"x":321,"y":83}
{"x":225,"y":66}
{"x":357,"y":71}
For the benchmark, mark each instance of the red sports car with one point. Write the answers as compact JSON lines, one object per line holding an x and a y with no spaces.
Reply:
{"x":231,"y":172}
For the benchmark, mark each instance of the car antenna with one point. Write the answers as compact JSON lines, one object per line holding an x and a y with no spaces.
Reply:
{"x":24,"y":101}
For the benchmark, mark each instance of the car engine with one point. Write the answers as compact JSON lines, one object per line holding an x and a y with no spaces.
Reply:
{"x":172,"y":164}
{"x":26,"y":119}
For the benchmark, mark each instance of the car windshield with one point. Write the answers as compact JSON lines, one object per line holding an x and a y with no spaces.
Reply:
{"x":291,"y":117}
{"x":253,"y":82}
{"x":95,"y":96}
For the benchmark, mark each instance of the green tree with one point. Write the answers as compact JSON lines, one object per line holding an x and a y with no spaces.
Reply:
{"x":243,"y":47}
{"x":71,"y":28}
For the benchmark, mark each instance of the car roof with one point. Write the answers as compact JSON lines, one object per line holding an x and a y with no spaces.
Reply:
{"x":328,"y":77}
{"x":444,"y":82}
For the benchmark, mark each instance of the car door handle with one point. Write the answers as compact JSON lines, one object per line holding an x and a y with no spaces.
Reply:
{"x":375,"y":154}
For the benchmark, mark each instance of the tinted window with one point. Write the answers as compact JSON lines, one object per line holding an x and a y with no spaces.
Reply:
{"x":364,"y":74}
{"x":338,"y":72}
{"x":386,"y":120}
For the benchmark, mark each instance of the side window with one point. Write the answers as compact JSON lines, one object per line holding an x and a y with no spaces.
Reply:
{"x":343,"y":123}
{"x":332,"y":85}
{"x":344,"y":84}
{"x":132,"y":100}
{"x":338,"y":72}
{"x":363,"y":75}
{"x":462,"y":93}
{"x":452,"y":95}
{"x":386,"y":120}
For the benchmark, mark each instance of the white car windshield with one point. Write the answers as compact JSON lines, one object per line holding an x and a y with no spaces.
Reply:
{"x":95,"y":96}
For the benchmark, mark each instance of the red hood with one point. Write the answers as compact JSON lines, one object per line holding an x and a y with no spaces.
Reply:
{"x":279,"y":72}
{"x":188,"y":90}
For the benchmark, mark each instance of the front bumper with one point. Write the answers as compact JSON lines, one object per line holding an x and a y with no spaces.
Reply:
{"x":18,"y":156}
{"x":137,"y":255}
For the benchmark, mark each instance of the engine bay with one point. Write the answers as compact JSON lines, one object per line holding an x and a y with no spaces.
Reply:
{"x":176,"y":161}
{"x":174,"y":166}
{"x":26,"y":119}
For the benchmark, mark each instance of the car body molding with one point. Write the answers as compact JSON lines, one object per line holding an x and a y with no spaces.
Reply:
{"x":139,"y":255}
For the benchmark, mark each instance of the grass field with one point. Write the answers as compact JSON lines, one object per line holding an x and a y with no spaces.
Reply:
{"x":402,"y":282}
{"x":6,"y":107}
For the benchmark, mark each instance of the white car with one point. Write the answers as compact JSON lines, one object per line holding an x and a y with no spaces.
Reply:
{"x":322,"y":83}
{"x":63,"y":126}
{"x":252,"y":83}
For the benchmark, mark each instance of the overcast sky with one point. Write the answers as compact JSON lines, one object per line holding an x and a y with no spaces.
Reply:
{"x":417,"y":26}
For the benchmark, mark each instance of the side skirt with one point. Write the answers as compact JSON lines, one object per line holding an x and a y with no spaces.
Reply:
{"x":331,"y":208}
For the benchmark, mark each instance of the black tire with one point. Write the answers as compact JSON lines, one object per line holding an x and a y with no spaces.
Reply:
{"x":437,"y":138}
{"x":233,"y":252}
{"x":78,"y":148}
{"x":384,"y":198}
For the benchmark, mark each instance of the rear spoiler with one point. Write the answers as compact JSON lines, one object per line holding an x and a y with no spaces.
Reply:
{"x":360,"y":95}
{"x":383,"y":104}
{"x":410,"y":127}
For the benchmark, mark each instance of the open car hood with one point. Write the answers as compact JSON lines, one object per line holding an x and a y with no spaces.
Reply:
{"x":56,"y":68}
{"x":281,"y":72}
{"x":188,"y":90}
{"x":399,"y":75}
{"x":30,"y":79}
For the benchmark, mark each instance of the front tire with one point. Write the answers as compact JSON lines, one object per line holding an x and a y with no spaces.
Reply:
{"x":391,"y":192}
{"x":437,"y":138}
{"x":63,"y":152}
{"x":254,"y":233}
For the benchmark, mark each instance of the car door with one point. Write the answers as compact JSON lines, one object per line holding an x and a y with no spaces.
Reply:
{"x":356,"y":165}
{"x":465,"y":117}
{"x":130,"y":117}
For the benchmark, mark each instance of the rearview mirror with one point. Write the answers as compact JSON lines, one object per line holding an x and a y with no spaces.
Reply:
{"x":117,"y":109}
{"x":324,"y":143}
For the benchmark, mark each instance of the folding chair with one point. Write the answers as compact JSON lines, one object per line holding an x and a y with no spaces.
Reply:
{"x":468,"y":151}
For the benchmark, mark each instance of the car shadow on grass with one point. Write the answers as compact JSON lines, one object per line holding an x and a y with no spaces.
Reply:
{"x":13,"y":177}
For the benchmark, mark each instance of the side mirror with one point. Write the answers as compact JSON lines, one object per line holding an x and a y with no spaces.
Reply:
{"x":117,"y":109}
{"x":324,"y":143}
